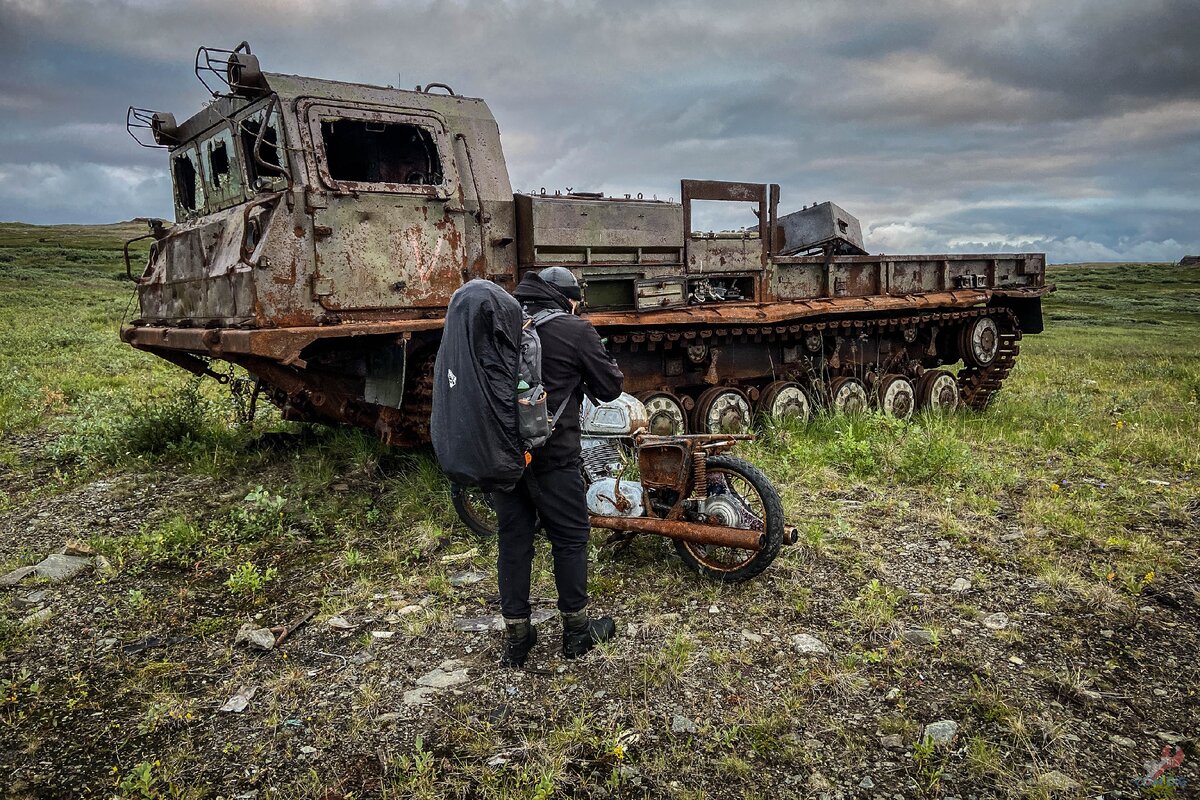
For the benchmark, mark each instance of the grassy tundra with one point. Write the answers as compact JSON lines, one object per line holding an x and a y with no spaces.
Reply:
{"x":1029,"y":574}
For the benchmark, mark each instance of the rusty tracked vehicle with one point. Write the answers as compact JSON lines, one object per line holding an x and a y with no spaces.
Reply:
{"x":321,"y":228}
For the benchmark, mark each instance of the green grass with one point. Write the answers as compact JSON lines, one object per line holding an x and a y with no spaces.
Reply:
{"x":1089,"y":455}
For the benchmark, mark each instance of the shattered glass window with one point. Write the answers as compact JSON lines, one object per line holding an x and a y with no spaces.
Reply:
{"x":268,"y":167}
{"x":222,"y":174}
{"x":189,"y":190}
{"x":369,"y":151}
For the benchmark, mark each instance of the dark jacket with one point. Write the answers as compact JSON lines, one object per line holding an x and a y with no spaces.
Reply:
{"x":574,"y":361}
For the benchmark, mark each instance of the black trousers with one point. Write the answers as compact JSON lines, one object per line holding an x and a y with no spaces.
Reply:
{"x":557,"y":497}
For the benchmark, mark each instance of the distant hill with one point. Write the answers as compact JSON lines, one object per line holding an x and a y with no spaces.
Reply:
{"x":98,"y":237}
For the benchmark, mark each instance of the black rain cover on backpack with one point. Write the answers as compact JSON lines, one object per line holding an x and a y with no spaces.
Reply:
{"x":474,"y":421}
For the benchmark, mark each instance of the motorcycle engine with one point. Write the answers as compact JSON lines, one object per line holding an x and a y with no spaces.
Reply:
{"x":607,"y":429}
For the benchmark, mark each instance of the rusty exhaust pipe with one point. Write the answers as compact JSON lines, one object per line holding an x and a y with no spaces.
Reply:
{"x":687,"y":531}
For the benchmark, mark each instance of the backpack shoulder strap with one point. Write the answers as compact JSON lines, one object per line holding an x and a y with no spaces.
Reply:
{"x":547,"y":314}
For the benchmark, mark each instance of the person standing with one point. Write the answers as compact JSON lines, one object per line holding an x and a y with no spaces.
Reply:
{"x":574,"y":362}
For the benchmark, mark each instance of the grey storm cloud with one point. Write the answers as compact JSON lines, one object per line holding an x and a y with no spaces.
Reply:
{"x":1071,"y":127}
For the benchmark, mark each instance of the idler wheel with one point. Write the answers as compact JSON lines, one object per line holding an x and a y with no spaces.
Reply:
{"x":785,"y":400}
{"x":937,"y":390}
{"x":979,"y":342}
{"x":847,"y":396}
{"x":896,"y":396}
{"x":665,"y":412}
{"x":721,"y":409}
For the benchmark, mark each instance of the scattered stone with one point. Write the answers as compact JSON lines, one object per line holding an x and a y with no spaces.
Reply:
{"x":713,"y":609}
{"x":995,"y":622}
{"x":893,"y":741}
{"x":819,"y":783}
{"x":804,"y":643}
{"x":917,"y":636}
{"x":308,"y":750}
{"x":1170,"y":737}
{"x":940,"y":732}
{"x":387,"y":718}
{"x":681,"y":724}
{"x":240,"y":700}
{"x":450,"y":673}
{"x":960,"y":585}
{"x":410,"y":609}
{"x":340,"y":623}
{"x":16,"y":576}
{"x":104,"y":566}
{"x":418,"y":697}
{"x":495,"y":622}
{"x":497,"y":761}
{"x":33,"y":598}
{"x":467,"y":578}
{"x":751,"y":637}
{"x":38,"y":617}
{"x":382,"y":634}
{"x":57,"y":567}
{"x":1121,"y":741}
{"x":450,"y":559}
{"x":74,"y":547}
{"x":1012,"y":537}
{"x":258,"y":638}
{"x":893,"y":694}
{"x":107,"y":643}
{"x":866,"y":783}
{"x":1017,"y":660}
{"x":1055,"y":781}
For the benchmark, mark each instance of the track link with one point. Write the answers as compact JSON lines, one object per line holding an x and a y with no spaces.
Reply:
{"x":977,"y":386}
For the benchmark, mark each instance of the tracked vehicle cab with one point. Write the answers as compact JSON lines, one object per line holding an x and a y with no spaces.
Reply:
{"x":305,"y":202}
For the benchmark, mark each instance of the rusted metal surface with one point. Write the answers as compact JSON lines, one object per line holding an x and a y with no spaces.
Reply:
{"x":699,"y":533}
{"x":325,"y":268}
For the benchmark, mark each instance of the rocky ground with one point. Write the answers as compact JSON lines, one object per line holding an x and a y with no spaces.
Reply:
{"x":889,"y":659}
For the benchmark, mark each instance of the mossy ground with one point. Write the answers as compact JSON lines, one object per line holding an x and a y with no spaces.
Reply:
{"x":1072,"y":505}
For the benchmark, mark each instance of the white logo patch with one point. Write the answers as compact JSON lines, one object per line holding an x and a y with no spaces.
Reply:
{"x":452,"y":377}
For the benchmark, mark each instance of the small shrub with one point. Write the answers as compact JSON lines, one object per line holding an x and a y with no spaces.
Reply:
{"x":247,"y":580}
{"x":108,"y":432}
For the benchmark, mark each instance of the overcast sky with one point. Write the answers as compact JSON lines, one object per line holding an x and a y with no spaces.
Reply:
{"x":1065,"y":126}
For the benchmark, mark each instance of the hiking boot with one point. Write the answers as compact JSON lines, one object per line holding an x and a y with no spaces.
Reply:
{"x":519,"y":639}
{"x":581,"y":634}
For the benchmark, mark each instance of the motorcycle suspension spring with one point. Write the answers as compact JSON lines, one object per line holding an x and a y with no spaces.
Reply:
{"x":700,"y":475}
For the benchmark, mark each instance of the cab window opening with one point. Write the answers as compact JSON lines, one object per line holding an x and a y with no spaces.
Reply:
{"x":218,"y":163}
{"x":268,"y":149}
{"x":365,"y":151}
{"x":186,"y":182}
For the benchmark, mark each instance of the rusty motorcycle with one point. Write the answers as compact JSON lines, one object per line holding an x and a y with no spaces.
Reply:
{"x":723,"y":515}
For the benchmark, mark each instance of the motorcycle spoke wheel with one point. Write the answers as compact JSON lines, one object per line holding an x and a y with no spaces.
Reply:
{"x":474,"y":508}
{"x":739,"y":496}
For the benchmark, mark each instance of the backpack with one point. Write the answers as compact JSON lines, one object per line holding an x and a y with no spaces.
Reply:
{"x":489,"y":404}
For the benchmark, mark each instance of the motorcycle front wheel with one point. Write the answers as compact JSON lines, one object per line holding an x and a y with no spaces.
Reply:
{"x":739,"y":496}
{"x":474,"y":508}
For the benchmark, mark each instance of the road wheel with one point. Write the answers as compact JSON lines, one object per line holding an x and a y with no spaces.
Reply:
{"x":937,"y":390}
{"x":665,"y":412}
{"x":895,"y":396}
{"x":847,"y":396}
{"x":722,"y":409}
{"x":785,"y":400}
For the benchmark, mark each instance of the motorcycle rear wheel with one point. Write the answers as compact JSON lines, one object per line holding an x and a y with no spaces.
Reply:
{"x":739,"y":496}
